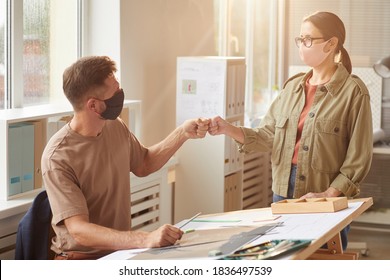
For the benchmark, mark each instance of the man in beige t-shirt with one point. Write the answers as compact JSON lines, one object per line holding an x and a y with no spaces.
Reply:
{"x":86,"y":167}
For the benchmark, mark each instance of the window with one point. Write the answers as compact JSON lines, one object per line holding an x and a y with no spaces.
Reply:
{"x":366,"y":22}
{"x":40,"y":40}
{"x":36,"y":51}
{"x":2,"y":48}
{"x":249,"y":29}
{"x":263,"y":31}
{"x":367,"y":40}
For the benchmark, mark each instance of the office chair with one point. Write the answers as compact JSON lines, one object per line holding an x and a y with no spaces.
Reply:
{"x":34,"y":234}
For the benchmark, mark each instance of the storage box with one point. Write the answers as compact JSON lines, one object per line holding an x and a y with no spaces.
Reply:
{"x":309,"y":205}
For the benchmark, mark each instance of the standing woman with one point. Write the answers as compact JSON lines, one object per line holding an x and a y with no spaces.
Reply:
{"x":319,"y":128}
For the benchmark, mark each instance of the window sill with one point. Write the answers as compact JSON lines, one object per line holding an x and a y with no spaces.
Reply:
{"x":17,"y":205}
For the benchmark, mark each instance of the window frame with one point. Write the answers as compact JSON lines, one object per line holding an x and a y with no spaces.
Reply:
{"x":14,"y":44}
{"x":275,"y":55}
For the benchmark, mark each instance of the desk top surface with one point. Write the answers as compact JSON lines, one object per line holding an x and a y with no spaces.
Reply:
{"x":319,"y":227}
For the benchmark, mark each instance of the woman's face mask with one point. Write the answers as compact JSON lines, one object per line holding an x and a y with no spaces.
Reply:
{"x":314,"y":55}
{"x":114,"y":105}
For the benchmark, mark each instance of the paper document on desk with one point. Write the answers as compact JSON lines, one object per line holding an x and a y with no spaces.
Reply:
{"x":238,"y":219}
{"x":308,"y":226}
{"x":199,"y":243}
{"x":123,"y":254}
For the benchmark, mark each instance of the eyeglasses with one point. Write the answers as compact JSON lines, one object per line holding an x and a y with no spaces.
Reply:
{"x":306,"y":41}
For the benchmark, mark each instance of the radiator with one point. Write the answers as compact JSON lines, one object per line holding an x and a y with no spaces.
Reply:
{"x":257,"y":181}
{"x":377,"y":182}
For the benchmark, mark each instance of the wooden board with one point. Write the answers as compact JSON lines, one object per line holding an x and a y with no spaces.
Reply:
{"x":309,"y":205}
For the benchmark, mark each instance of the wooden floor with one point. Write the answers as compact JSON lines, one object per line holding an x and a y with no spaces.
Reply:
{"x":372,"y":242}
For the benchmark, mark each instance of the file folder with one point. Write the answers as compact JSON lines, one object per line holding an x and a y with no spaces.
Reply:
{"x":14,"y":159}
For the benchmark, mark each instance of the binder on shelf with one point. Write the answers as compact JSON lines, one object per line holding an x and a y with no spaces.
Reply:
{"x":27,"y":145}
{"x":240,"y":89}
{"x":226,"y":197}
{"x":14,"y":159}
{"x":231,"y":91}
{"x":39,"y":145}
{"x":235,"y":154}
{"x":227,"y":155}
{"x":56,"y":123}
{"x":233,"y":158}
{"x":236,"y":192}
{"x":20,"y":158}
{"x":232,"y":196}
{"x":235,"y":91}
{"x":51,"y":129}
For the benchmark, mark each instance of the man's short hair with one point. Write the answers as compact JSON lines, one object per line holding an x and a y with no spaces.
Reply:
{"x":84,"y":75}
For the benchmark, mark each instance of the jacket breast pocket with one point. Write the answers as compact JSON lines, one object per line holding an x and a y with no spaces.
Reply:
{"x":279,"y":139}
{"x":330,"y":146}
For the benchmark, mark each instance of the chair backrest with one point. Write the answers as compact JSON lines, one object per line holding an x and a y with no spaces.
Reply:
{"x":35,"y":231}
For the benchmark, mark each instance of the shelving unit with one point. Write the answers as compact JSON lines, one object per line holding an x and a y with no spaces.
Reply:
{"x":209,"y":174}
{"x":13,"y":207}
{"x":11,"y":117}
{"x":37,"y":114}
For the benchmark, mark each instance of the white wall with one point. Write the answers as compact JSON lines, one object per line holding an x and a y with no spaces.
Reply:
{"x":101,"y":29}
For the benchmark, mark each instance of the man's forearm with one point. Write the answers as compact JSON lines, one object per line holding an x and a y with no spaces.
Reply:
{"x":103,"y":238}
{"x":160,"y":153}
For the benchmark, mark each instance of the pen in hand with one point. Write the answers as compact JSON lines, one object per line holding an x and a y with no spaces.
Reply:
{"x":189,"y":220}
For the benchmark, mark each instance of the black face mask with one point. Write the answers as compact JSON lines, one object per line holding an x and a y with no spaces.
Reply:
{"x":114,"y":106}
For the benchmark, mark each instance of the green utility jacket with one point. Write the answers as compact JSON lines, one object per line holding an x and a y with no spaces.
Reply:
{"x":336,"y":143}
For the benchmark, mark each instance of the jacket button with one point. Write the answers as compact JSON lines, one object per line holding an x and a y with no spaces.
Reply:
{"x":323,"y":89}
{"x":305,"y":148}
{"x":336,"y":129}
{"x":302,"y":177}
{"x":311,"y":114}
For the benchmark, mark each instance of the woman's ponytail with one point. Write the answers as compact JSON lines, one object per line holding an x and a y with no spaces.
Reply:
{"x":345,"y":59}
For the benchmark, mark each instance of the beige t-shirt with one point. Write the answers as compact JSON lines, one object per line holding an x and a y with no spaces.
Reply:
{"x":90,"y":176}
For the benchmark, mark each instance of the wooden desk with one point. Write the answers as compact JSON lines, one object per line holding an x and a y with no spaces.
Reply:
{"x":332,"y":238}
{"x":320,"y":227}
